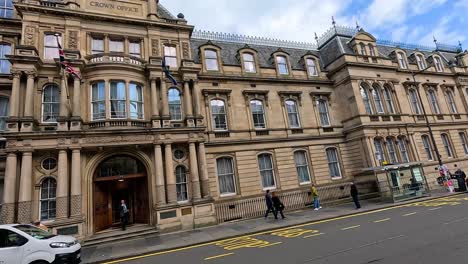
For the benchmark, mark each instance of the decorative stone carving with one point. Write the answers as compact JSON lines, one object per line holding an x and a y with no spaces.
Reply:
{"x":122,"y":139}
{"x":155,"y":47}
{"x":185,"y":50}
{"x":73,"y":40}
{"x":29,"y":36}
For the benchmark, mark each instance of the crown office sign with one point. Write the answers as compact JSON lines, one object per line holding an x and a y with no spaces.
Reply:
{"x":115,"y":7}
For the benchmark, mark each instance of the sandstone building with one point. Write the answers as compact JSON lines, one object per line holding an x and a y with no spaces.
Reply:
{"x":247,"y":114}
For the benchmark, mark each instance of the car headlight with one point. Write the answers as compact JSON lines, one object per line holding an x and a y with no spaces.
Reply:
{"x":59,"y":245}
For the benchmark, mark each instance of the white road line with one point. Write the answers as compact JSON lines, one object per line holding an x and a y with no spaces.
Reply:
{"x":219,"y":256}
{"x":455,"y":221}
{"x":432,"y":209}
{"x":351,"y":227}
{"x":382,"y":220}
{"x":413,"y":213}
{"x":319,"y":234}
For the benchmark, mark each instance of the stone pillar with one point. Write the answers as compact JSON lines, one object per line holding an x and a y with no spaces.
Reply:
{"x":76,"y":115}
{"x":62,"y":185}
{"x":7,"y":214}
{"x":165,"y":102}
{"x":196,"y":101}
{"x":205,"y":183}
{"x":160,"y":182}
{"x":12,"y":125}
{"x":188,"y":105}
{"x":156,"y":119}
{"x":27,"y":121}
{"x":152,"y":7}
{"x":195,"y":178}
{"x":75,"y":199}
{"x":63,"y":114}
{"x":170,"y":176}
{"x":25,"y":191}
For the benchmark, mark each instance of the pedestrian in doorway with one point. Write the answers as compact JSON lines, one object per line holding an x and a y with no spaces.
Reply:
{"x":279,"y":206}
{"x":355,"y":195}
{"x":315,"y":196}
{"x":269,"y":204}
{"x":123,"y":214}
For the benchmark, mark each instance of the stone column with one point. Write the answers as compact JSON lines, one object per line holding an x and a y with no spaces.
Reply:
{"x":195,"y":178}
{"x":165,"y":104}
{"x":7,"y":214}
{"x":155,"y":105}
{"x":62,"y":185}
{"x":29,"y":97}
{"x":196,"y":101}
{"x":205,"y":183}
{"x":76,"y":97}
{"x":152,"y":10}
{"x":188,"y":100}
{"x":62,"y":124}
{"x":75,"y":198}
{"x":25,"y":191}
{"x":170,"y":176}
{"x":160,"y":182}
{"x":14,"y":98}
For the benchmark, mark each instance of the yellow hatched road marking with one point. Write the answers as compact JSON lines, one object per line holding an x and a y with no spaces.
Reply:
{"x":413,"y":213}
{"x":314,"y":235}
{"x":243,"y":242}
{"x":219,"y":256}
{"x":351,"y":227}
{"x":382,"y":220}
{"x":293,"y":232}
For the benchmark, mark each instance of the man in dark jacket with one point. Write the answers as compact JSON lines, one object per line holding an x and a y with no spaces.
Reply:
{"x":123,"y":214}
{"x":269,"y":204}
{"x":354,"y":195}
{"x":279,"y":206}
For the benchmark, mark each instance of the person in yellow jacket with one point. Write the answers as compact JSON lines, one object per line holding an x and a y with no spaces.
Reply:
{"x":315,"y":195}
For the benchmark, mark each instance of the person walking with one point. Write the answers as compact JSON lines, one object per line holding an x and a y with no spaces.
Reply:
{"x":315,"y":196}
{"x":279,"y":206}
{"x":123,"y":214}
{"x":354,"y":195}
{"x":269,"y":204}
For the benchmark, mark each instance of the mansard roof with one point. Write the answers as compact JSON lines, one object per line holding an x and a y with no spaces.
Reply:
{"x":164,"y":13}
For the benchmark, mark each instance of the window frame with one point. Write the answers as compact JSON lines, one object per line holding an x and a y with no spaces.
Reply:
{"x":388,"y":97}
{"x":52,"y":103}
{"x":306,"y":165}
{"x":262,"y":103}
{"x":379,"y":149}
{"x":451,"y":102}
{"x":125,"y":114}
{"x":314,"y":66}
{"x":214,"y":58}
{"x":377,"y":98}
{"x":272,"y":169}
{"x":401,"y":58}
{"x":232,"y":174}
{"x":95,"y":50}
{"x":213,"y":114}
{"x":98,"y":102}
{"x":172,"y":57}
{"x":364,"y":91}
{"x":289,"y":114}
{"x":447,"y":145}
{"x":178,"y":105}
{"x":433,"y":101}
{"x":4,"y":9}
{"x":279,"y":64}
{"x":337,"y":163}
{"x":421,"y":61}
{"x":50,"y":199}
{"x":324,"y":102}
{"x":438,"y":64}
{"x":182,"y":183}
{"x":414,"y":102}
{"x":48,"y":47}
{"x":116,"y":41}
{"x":464,"y":141}
{"x":140,"y":115}
{"x":371,"y":50}
{"x":362,"y":48}
{"x":403,"y":149}
{"x":4,"y":62}
{"x":4,"y":118}
{"x":136,"y":43}
{"x":392,"y":151}
{"x":246,"y":62}
{"x":428,"y":148}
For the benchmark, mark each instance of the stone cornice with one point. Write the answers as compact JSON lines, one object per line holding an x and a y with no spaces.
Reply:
{"x":262,"y":79}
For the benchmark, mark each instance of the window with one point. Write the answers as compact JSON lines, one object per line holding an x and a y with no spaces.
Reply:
{"x":179,"y":154}
{"x":5,"y":49}
{"x":372,"y":50}
{"x":265,"y":164}
{"x":379,"y":150}
{"x":427,"y":147}
{"x":4,"y":108}
{"x":48,"y":195}
{"x":363,"y":49}
{"x":118,"y":99}
{"x":421,"y":62}
{"x":302,"y":166}
{"x":6,"y":8}
{"x":181,"y":184}
{"x":312,"y":67}
{"x":211,"y":60}
{"x":391,"y":151}
{"x":377,"y":100}
{"x":170,"y":56}
{"x":97,"y":46}
{"x":49,"y":164}
{"x":116,"y":45}
{"x":98,"y":101}
{"x":134,"y":49}
{"x":365,"y":99}
{"x":433,"y":100}
{"x":50,"y":104}
{"x":402,"y":60}
{"x":10,"y":239}
{"x":293,"y":116}
{"x":388,"y":100}
{"x":51,"y":49}
{"x":333,"y":163}
{"x":451,"y":102}
{"x":322,"y":105}
{"x":403,"y":150}
{"x":175,"y":104}
{"x":218,"y":115}
{"x":282,"y":64}
{"x":249,"y":63}
{"x":136,"y":101}
{"x":438,"y":64}
{"x":464,"y":142}
{"x":258,"y":114}
{"x":225,"y":170}
{"x":413,"y":96}
{"x":447,"y":145}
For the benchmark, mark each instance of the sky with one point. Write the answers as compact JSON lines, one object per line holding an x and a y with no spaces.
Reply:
{"x":410,"y":21}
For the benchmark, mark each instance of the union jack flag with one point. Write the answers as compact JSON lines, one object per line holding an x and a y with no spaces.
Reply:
{"x":65,"y":65}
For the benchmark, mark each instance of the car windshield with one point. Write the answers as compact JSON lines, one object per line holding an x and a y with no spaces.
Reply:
{"x":34,"y":231}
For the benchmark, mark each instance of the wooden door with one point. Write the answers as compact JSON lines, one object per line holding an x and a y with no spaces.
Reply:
{"x":140,"y":203}
{"x":101,"y":206}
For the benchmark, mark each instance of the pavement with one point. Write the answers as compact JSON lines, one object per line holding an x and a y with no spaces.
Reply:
{"x":329,"y":235}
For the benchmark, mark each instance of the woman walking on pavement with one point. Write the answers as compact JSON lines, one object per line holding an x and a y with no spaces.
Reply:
{"x":269,"y":204}
{"x":354,"y":195}
{"x":279,"y":206}
{"x":316,"y":198}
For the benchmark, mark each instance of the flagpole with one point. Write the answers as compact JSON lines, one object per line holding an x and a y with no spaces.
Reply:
{"x":65,"y":78}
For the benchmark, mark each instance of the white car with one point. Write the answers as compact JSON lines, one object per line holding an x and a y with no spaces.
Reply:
{"x":27,"y":244}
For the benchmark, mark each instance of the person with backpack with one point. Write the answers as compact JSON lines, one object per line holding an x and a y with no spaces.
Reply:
{"x":315,"y":196}
{"x":269,"y":204}
{"x":279,"y":206}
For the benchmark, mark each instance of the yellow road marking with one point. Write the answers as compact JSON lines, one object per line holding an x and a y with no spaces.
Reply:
{"x":382,"y":220}
{"x":243,"y":242}
{"x":272,"y":244}
{"x":293,"y":232}
{"x":314,"y":235}
{"x":432,"y":209}
{"x":351,"y":227}
{"x":219,"y":256}
{"x":266,"y":232}
{"x":413,"y":213}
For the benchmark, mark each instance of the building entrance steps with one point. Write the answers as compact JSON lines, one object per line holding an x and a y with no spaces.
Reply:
{"x":115,"y":234}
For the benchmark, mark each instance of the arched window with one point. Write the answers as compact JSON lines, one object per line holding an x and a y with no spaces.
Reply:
{"x":391,"y":151}
{"x":379,"y":150}
{"x":181,"y":184}
{"x":312,"y":67}
{"x":401,"y":142}
{"x":333,"y":163}
{"x":302,"y":166}
{"x":433,"y":101}
{"x":225,"y":171}
{"x":211,"y":60}
{"x":447,"y":145}
{"x":388,"y":99}
{"x":118,"y":99}
{"x":421,"y":62}
{"x":427,"y":147}
{"x":322,"y":106}
{"x":175,"y":104}
{"x":98,"y":101}
{"x":365,"y":99}
{"x":265,"y":165}
{"x":4,"y":108}
{"x":438,"y":64}
{"x":377,"y":99}
{"x":413,"y":97}
{"x":372,"y":50}
{"x":402,"y":60}
{"x":47,"y":199}
{"x":249,"y":63}
{"x":451,"y":102}
{"x":464,"y":142}
{"x":218,"y":115}
{"x":136,"y":101}
{"x":282,"y":64}
{"x":6,"y":8}
{"x":258,"y":114}
{"x":363,"y":49}
{"x":50,"y":103}
{"x":170,"y":56}
{"x":120,"y":166}
{"x":5,"y":49}
{"x":293,"y":116}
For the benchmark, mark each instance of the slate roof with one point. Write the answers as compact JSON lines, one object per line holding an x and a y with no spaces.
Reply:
{"x":164,"y":13}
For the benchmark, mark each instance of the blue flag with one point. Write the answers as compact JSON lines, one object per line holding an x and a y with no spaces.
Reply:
{"x":167,"y":72}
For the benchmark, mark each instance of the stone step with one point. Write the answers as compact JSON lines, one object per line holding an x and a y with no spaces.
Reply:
{"x":119,"y":235}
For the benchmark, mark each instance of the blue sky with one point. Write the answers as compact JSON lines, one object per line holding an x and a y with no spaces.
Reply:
{"x":412,"y":21}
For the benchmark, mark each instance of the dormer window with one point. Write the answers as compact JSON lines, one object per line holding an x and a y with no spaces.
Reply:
{"x":170,"y":56}
{"x":249,"y":63}
{"x":211,"y":60}
{"x":438,"y":64}
{"x":282,"y":64}
{"x":402,"y":60}
{"x":421,"y":62}
{"x":363,"y":49}
{"x":312,"y":67}
{"x":371,"y":50}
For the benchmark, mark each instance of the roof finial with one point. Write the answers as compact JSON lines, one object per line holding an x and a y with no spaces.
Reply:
{"x":435,"y":40}
{"x":334,"y":24}
{"x":357,"y":26}
{"x":316,"y":37}
{"x":460,"y":47}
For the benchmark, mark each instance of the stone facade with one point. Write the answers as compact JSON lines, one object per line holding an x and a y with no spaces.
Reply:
{"x":246,"y":114}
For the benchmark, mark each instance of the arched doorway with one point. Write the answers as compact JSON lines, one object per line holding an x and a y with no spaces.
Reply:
{"x":119,"y":178}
